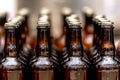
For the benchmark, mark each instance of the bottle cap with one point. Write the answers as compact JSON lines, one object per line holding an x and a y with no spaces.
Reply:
{"x":72,"y":16}
{"x":106,"y":23}
{"x":24,"y":12}
{"x":88,"y":11}
{"x":17,"y":20}
{"x":10,"y":25}
{"x":43,"y":24}
{"x":44,"y":18}
{"x":96,"y":17}
{"x":74,"y":24}
{"x":66,"y":11}
{"x":44,"y":11}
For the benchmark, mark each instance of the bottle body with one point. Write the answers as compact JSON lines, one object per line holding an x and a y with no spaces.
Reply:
{"x":107,"y":69}
{"x":43,"y":69}
{"x":75,"y":69}
{"x":11,"y":69}
{"x":88,"y":30}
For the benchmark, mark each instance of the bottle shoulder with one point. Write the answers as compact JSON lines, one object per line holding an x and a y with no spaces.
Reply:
{"x":42,"y":63}
{"x":11,"y":63}
{"x":107,"y":62}
{"x":76,"y":63}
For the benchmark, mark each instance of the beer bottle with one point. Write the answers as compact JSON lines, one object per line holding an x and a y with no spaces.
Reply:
{"x":28,"y":38}
{"x":93,"y":52}
{"x":23,"y":52}
{"x":88,"y":14}
{"x":88,"y":29}
{"x":3,"y":19}
{"x":97,"y":34}
{"x":25,"y":49}
{"x":59,"y":54}
{"x":11,"y":68}
{"x":75,"y":18}
{"x":42,"y":67}
{"x":25,"y":31}
{"x":59,"y":57}
{"x":60,"y":41}
{"x":75,"y":67}
{"x":18,"y":20}
{"x":107,"y":68}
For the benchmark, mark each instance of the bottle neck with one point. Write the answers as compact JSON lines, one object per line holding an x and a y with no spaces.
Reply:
{"x":43,"y":41}
{"x":107,"y":44}
{"x":96,"y":35}
{"x":26,"y":25}
{"x":10,"y":48}
{"x":3,"y":19}
{"x":74,"y":41}
{"x":88,"y":20}
{"x":22,"y":33}
{"x":88,"y":27}
{"x":64,"y":24}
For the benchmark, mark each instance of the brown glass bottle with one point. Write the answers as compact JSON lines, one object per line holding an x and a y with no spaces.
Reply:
{"x":11,"y":68}
{"x":94,"y":55}
{"x":42,"y":67}
{"x":60,"y":41}
{"x":118,"y":50}
{"x":3,"y":19}
{"x":59,"y":53}
{"x":28,"y":38}
{"x":88,"y":30}
{"x":75,"y":68}
{"x":97,"y":34}
{"x":25,"y":49}
{"x":107,"y":68}
{"x":61,"y":57}
{"x":25,"y":31}
{"x":18,"y":20}
{"x":93,"y":52}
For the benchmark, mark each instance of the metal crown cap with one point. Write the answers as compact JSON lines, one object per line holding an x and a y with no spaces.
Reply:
{"x":66,"y":11}
{"x":106,"y":23}
{"x":74,"y":24}
{"x":100,"y":20}
{"x":43,"y":24}
{"x":10,"y":25}
{"x":44,"y":11}
{"x":24,"y":12}
{"x":17,"y":20}
{"x":44,"y":18}
{"x":96,"y":17}
{"x":72,"y":20}
{"x":88,"y":11}
{"x":72,"y":16}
